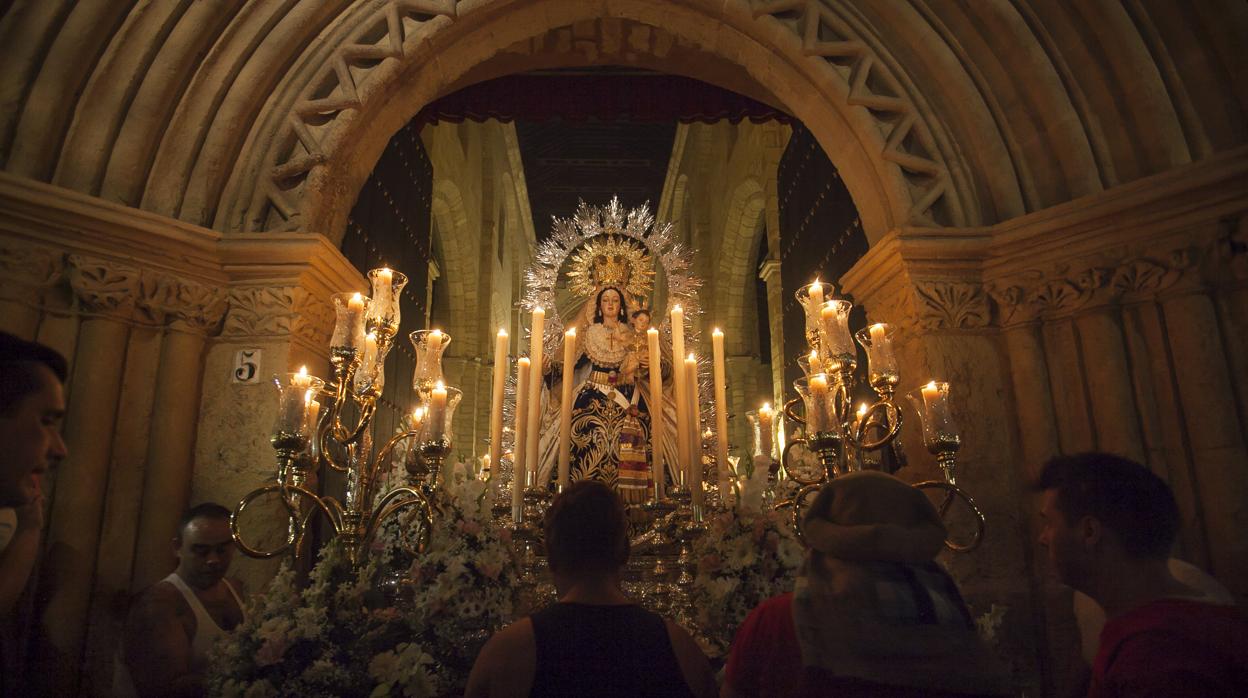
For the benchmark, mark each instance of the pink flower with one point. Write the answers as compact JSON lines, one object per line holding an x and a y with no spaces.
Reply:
{"x":489,"y":570}
{"x":272,"y":651}
{"x":471,"y":528}
{"x":505,"y":535}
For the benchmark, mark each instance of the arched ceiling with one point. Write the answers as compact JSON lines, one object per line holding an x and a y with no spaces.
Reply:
{"x":258,"y":115}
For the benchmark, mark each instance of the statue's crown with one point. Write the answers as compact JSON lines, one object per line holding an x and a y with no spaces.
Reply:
{"x":611,"y":270}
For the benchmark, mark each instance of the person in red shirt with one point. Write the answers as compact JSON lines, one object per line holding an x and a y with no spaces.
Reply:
{"x":1107,"y":526}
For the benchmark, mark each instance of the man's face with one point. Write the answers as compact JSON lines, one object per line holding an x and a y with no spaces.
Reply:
{"x":30,"y":440}
{"x":1065,"y":543}
{"x":205,"y":551}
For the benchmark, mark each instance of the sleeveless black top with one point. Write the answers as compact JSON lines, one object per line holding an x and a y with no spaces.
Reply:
{"x":585,"y":650}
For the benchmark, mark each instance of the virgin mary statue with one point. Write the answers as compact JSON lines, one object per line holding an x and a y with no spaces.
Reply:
{"x":611,"y":406}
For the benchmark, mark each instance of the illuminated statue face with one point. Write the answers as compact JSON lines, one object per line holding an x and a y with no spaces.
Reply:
{"x":609,"y":304}
{"x":641,"y":322}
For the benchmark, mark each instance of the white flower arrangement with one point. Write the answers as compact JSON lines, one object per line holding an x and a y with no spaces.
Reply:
{"x":747,"y":555}
{"x":322,"y":640}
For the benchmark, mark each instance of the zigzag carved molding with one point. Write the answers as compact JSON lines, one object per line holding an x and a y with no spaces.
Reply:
{"x":869,"y":85}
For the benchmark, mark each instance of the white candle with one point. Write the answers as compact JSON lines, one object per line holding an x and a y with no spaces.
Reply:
{"x":519,"y":468}
{"x":533,"y":432}
{"x":311,"y":413}
{"x":355,"y":320}
{"x":656,"y":413}
{"x":433,"y":354}
{"x":691,"y":435}
{"x":369,"y":361}
{"x":813,"y":303}
{"x":766,"y":422}
{"x":437,"y":411}
{"x":302,"y":380}
{"x":678,"y":381}
{"x":816,"y":421}
{"x":816,"y":366}
{"x":877,"y":334}
{"x":496,"y":396}
{"x":418,"y":416}
{"x":835,"y":318}
{"x":816,"y":294}
{"x":721,"y":410}
{"x":936,"y":406}
{"x":383,"y":282}
{"x":565,"y":406}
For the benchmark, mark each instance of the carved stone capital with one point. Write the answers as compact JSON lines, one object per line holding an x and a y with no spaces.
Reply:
{"x":26,"y":271}
{"x":278,"y":310}
{"x":105,"y":287}
{"x":187,"y":306}
{"x":1119,"y":277}
{"x":951,"y":305}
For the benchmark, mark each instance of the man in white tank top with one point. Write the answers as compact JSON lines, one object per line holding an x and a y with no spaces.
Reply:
{"x":174,"y":623}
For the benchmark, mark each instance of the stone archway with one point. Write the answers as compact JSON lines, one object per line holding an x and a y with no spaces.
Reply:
{"x":310,"y":170}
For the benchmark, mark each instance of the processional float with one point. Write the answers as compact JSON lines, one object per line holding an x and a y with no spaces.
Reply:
{"x":330,"y":421}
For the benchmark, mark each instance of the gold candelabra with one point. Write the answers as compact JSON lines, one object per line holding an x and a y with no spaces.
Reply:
{"x":341,"y":437}
{"x":840,"y":436}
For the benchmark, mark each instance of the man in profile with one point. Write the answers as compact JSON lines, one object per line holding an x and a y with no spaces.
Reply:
{"x":32,"y":404}
{"x":1107,"y":525}
{"x":175,"y":622}
{"x":31,"y":407}
{"x":594,"y":641}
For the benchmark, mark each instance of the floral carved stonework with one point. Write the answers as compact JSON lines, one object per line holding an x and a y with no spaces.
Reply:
{"x":948,"y":305}
{"x":105,"y":287}
{"x":1027,"y":296}
{"x":268,"y":311}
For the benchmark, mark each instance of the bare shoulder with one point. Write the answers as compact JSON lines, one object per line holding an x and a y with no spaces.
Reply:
{"x":161,"y":599}
{"x":693,"y":663}
{"x":507,"y":663}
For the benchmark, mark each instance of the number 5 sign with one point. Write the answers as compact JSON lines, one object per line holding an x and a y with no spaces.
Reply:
{"x":247,"y":366}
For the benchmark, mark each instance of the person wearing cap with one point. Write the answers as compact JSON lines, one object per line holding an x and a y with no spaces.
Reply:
{"x":872,"y":613}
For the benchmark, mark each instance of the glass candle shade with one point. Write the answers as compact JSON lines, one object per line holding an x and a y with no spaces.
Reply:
{"x":882,"y":370}
{"x":931,"y":401}
{"x":439,"y":414}
{"x":836,"y":344}
{"x":383,"y":313}
{"x":810,"y":363}
{"x":762,"y":433}
{"x":296,"y":393}
{"x":821,"y":406}
{"x":811,"y":298}
{"x":350,"y":310}
{"x":803,"y":391}
{"x":429,"y":346}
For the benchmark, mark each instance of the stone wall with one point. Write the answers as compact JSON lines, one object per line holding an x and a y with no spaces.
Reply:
{"x":1115,"y":323}
{"x":151,"y":313}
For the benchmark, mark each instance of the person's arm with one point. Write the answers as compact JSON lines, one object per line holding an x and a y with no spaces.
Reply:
{"x":18,"y":559}
{"x":693,"y":663}
{"x":506,"y":665}
{"x":157,"y":648}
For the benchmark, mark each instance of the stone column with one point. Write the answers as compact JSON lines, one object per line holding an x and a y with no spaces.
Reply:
{"x":107,"y":293}
{"x":1116,"y":420}
{"x":175,"y":411}
{"x":1217,"y":443}
{"x":769,"y":272}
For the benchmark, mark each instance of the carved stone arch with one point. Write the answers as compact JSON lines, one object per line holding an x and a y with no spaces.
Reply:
{"x":459,"y":260}
{"x":735,"y":271}
{"x":384,"y":75}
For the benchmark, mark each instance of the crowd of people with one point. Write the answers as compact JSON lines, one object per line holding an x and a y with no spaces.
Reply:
{"x":872,"y":614}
